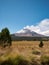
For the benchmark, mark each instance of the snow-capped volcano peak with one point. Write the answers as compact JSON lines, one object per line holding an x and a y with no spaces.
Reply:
{"x":27,"y":32}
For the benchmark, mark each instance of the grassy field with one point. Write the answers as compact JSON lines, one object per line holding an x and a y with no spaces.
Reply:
{"x":27,"y":49}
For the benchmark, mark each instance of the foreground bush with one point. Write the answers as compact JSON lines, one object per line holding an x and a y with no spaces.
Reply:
{"x":34,"y":61}
{"x":20,"y":60}
{"x":7,"y":62}
{"x":45,"y":60}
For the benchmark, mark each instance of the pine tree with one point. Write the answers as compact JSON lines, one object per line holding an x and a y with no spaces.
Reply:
{"x":6,"y":37}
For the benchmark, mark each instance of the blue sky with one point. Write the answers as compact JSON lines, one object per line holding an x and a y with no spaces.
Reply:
{"x":16,"y":14}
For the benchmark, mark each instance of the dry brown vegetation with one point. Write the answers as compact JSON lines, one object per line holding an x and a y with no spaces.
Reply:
{"x":27,"y":49}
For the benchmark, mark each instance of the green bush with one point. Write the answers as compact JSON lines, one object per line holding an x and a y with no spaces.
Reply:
{"x":7,"y":62}
{"x":36,"y":52}
{"x":20,"y":60}
{"x":41,"y":44}
{"x":45,"y":60}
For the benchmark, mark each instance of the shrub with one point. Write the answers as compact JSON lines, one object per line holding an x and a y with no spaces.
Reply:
{"x":7,"y":62}
{"x":36,"y":52}
{"x":45,"y":60}
{"x":20,"y":60}
{"x":41,"y":44}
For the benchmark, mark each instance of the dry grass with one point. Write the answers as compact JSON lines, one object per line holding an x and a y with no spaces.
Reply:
{"x":24,"y":48}
{"x":27,"y":47}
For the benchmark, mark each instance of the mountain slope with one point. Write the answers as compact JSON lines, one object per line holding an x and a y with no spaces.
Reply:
{"x":28,"y":33}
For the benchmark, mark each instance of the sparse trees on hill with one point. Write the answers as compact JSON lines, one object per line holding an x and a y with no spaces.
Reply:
{"x":5,"y":37}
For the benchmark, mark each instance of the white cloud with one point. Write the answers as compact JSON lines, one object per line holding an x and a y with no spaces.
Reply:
{"x":20,"y":31}
{"x":41,"y":28}
{"x":46,"y":32}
